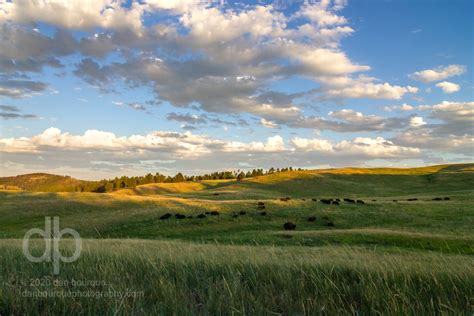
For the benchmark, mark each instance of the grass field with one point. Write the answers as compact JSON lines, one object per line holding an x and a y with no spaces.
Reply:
{"x":381,"y":257}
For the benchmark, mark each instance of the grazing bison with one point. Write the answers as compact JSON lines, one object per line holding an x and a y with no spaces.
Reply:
{"x":437,"y":199}
{"x":261,"y":204}
{"x":261,"y":207}
{"x":338,"y":200}
{"x":330,"y":224}
{"x":314,"y":200}
{"x":360,"y":202}
{"x":242,"y":212}
{"x":303,"y":199}
{"x":349,"y":200}
{"x":216,"y":193}
{"x":374,"y":200}
{"x":180,"y":216}
{"x":214,"y":213}
{"x":446,"y":199}
{"x":395,"y":201}
{"x":325,"y":217}
{"x":326,"y":201}
{"x":413,"y":199}
{"x":335,"y":202}
{"x":201,"y":216}
{"x":166,"y":216}
{"x":263,"y":213}
{"x":289,"y":226}
{"x":235,"y":215}
{"x":311,"y":218}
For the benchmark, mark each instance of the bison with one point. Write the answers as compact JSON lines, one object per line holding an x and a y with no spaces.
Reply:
{"x":201,"y":216}
{"x":165,"y":216}
{"x":180,"y":216}
{"x":311,"y":218}
{"x":289,"y":226}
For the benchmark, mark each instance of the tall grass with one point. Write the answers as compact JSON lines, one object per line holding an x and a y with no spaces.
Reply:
{"x":186,"y":278}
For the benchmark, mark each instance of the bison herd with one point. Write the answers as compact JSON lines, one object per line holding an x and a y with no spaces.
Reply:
{"x":289,"y":225}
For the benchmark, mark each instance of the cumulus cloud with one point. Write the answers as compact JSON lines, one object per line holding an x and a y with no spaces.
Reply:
{"x":21,"y":88}
{"x":236,"y":54}
{"x":448,"y":87}
{"x":267,"y":124}
{"x":106,"y":152}
{"x":74,"y":14}
{"x":360,"y":146}
{"x":417,"y":121}
{"x":404,"y":107}
{"x":454,"y":133}
{"x":371,"y":90}
{"x":439,"y":73}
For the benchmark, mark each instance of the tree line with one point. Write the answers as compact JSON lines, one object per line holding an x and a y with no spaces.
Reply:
{"x":124,"y":182}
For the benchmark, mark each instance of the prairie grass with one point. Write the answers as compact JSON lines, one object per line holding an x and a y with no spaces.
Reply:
{"x":181,"y":278}
{"x":383,"y":257}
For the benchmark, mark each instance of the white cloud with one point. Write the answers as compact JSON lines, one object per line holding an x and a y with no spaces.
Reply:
{"x":273,"y":144}
{"x":360,"y":146}
{"x":371,"y":91}
{"x":451,"y":111}
{"x":439,"y":73}
{"x":404,"y":107}
{"x":321,"y":13}
{"x":448,"y":87}
{"x":268,"y":124}
{"x":417,"y":121}
{"x":75,"y":14}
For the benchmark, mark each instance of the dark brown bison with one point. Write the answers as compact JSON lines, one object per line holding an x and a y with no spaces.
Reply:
{"x":180,"y":216}
{"x":289,"y":226}
{"x":165,"y":216}
{"x":201,"y":216}
{"x":311,"y":218}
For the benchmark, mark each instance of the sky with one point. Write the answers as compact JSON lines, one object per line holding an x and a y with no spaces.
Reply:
{"x":104,"y":88}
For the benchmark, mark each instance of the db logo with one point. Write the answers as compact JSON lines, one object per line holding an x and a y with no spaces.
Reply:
{"x":51,"y":238}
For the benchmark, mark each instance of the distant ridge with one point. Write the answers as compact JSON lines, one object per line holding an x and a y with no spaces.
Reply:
{"x":44,"y":182}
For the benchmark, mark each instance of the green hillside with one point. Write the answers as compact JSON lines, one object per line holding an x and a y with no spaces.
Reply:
{"x":344,"y":182}
{"x":42,"y":182}
{"x":406,"y":250}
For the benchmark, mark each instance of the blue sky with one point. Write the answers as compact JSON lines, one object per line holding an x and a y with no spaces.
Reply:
{"x":110,"y":88}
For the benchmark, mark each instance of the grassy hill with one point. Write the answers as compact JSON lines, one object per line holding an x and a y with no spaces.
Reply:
{"x":41,"y":182}
{"x":390,"y":255}
{"x":344,"y":182}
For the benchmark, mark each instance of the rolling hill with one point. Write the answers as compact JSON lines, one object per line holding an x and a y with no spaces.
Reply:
{"x":41,"y":182}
